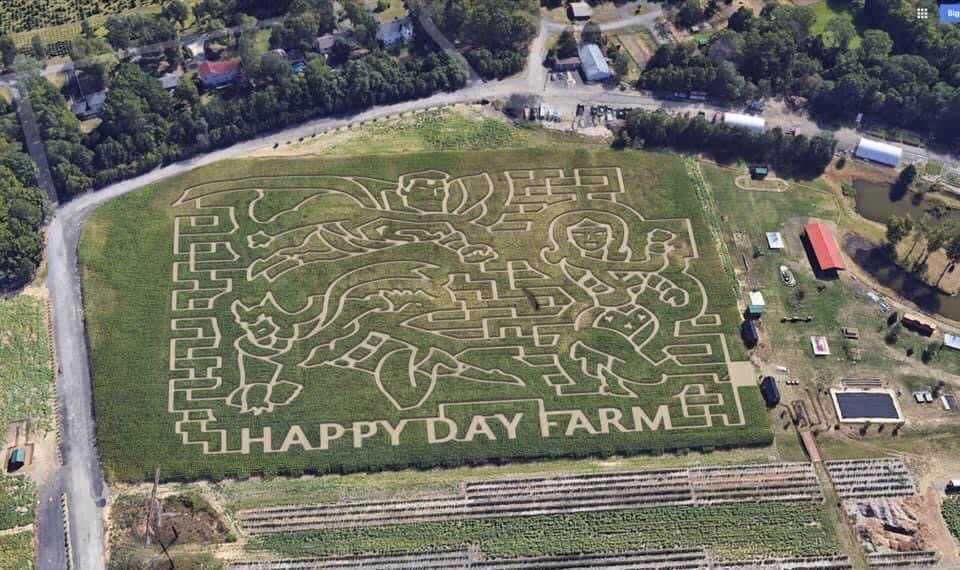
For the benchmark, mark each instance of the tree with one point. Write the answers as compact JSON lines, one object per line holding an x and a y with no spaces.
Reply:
{"x":38,"y":47}
{"x":690,"y":13}
{"x":591,"y":34}
{"x":952,"y":250}
{"x":904,"y":181}
{"x":566,"y":44}
{"x":898,"y":227}
{"x":22,"y":213}
{"x":621,"y":64}
{"x":841,"y":31}
{"x":8,"y":50}
{"x":176,"y":11}
{"x":936,"y":236}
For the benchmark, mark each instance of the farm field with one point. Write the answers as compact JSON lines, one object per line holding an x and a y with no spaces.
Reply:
{"x":385,"y":312}
{"x":25,"y":371}
{"x":951,"y":514}
{"x":729,"y":532}
{"x":29,"y":15}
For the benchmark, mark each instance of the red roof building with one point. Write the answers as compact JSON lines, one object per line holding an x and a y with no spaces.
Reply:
{"x":216,"y":73}
{"x":824,"y":247}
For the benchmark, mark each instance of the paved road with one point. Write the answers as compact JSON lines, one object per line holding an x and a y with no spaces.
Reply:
{"x":647,"y":20}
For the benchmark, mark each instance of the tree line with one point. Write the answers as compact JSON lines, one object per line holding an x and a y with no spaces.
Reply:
{"x":793,"y":156}
{"x":495,"y":33}
{"x":23,"y":207}
{"x":905,"y":72}
{"x":143,"y":126}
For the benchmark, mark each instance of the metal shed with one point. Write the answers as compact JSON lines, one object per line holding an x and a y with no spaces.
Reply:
{"x":880,"y":152}
{"x":749,"y":122}
{"x":593,"y":63}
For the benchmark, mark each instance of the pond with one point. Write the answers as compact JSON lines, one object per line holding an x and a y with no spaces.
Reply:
{"x":877,"y":202}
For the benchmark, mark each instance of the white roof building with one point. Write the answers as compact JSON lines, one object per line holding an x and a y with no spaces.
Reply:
{"x":952,"y":341}
{"x":579,"y":11}
{"x":750,"y":122}
{"x":395,"y":32}
{"x":775,"y":240}
{"x":879,"y":152}
{"x":593,"y":63}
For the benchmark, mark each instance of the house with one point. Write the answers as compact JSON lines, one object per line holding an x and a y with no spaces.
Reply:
{"x":215,"y":74}
{"x":170,"y":80}
{"x":567,"y":64}
{"x":195,"y":50}
{"x":89,"y":105}
{"x":919,"y":324}
{"x":324,"y":44}
{"x":749,"y":122}
{"x":399,"y":31}
{"x":825,"y":250}
{"x":579,"y":11}
{"x":878,"y":152}
{"x":593,"y":64}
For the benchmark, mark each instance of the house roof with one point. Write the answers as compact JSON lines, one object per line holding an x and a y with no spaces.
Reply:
{"x":170,"y":80}
{"x":393,"y":30}
{"x":325,"y":42}
{"x":580,"y":9}
{"x":219,"y":67}
{"x":824,"y":247}
{"x":593,"y":61}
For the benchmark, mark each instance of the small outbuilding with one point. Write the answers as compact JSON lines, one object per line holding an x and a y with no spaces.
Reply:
{"x":879,"y":152}
{"x":769,"y":390}
{"x":820,"y":346}
{"x":951,"y":341}
{"x":775,"y":240}
{"x":750,"y":333}
{"x":567,"y":64}
{"x":755,"y":308}
{"x":759,"y":171}
{"x":17,"y":458}
{"x":825,"y":250}
{"x":594,"y":64}
{"x":749,"y":122}
{"x":579,"y":11}
{"x":919,"y":324}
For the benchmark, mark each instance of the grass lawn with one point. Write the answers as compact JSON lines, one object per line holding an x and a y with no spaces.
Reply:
{"x":729,"y":532}
{"x":827,"y":10}
{"x":16,"y":551}
{"x":361,"y":327}
{"x":396,"y":10}
{"x":25,"y":373}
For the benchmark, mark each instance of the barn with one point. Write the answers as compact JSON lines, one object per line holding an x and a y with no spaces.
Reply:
{"x":749,"y":122}
{"x":824,"y":247}
{"x":880,"y":152}
{"x":594,"y":64}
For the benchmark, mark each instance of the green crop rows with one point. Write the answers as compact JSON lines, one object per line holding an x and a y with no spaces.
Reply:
{"x":729,"y":532}
{"x":17,"y":501}
{"x":331,"y":295}
{"x":30,"y":15}
{"x":951,"y":514}
{"x":25,"y":374}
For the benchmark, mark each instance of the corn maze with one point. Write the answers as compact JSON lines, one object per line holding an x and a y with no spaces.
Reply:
{"x":533,"y":496}
{"x":342,"y":319}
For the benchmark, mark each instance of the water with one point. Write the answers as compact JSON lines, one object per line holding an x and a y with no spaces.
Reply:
{"x":877,"y":202}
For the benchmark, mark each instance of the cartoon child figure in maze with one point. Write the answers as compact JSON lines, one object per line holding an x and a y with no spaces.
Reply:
{"x":593,"y":250}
